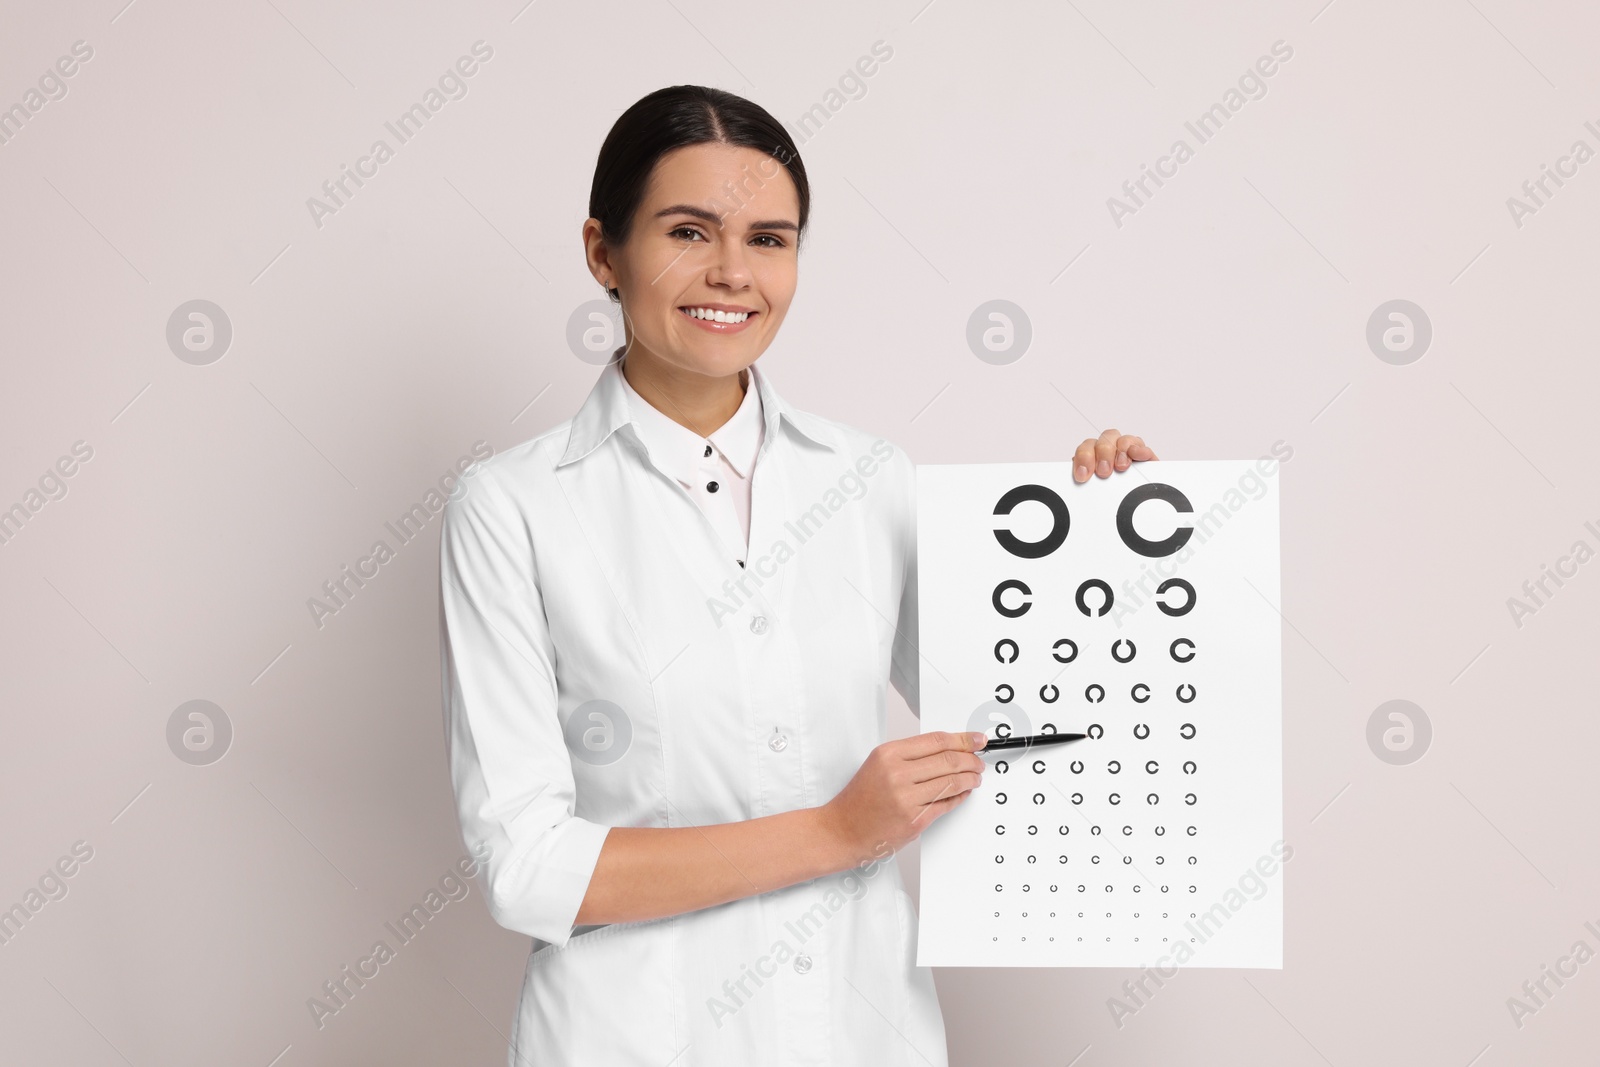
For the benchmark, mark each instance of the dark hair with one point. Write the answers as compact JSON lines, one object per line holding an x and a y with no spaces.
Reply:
{"x":672,"y":118}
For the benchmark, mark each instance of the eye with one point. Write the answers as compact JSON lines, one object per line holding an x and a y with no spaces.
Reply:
{"x":776,"y":243}
{"x":685,"y":229}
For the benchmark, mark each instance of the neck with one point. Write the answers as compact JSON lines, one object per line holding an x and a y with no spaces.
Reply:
{"x":700,"y":402}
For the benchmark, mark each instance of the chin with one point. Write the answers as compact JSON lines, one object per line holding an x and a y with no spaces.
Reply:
{"x":719,"y":358}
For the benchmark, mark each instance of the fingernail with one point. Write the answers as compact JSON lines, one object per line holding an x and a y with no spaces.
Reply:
{"x":980,"y":739}
{"x":1105,"y":467}
{"x":1122,"y":458}
{"x":1083,"y":472}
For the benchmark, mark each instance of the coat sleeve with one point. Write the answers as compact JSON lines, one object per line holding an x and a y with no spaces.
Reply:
{"x":904,"y":662}
{"x":509,"y":764}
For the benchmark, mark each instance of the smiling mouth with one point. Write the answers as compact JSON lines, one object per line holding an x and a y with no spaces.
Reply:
{"x":718,"y":318}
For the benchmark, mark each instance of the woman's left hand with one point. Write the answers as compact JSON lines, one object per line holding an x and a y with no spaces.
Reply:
{"x":1110,"y":451}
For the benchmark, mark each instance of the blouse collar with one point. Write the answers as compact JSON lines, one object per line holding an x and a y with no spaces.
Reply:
{"x":679,"y":450}
{"x":610,"y":407}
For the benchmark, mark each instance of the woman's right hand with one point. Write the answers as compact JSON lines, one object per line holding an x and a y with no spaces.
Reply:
{"x":902,"y":786}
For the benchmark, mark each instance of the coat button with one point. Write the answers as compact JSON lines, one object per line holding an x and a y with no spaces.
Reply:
{"x":708,"y":451}
{"x":758,"y":625}
{"x":802,"y":963}
{"x":711,"y":487}
{"x":778,"y":742}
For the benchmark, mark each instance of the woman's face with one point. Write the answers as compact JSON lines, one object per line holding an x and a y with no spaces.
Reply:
{"x":716,"y":229}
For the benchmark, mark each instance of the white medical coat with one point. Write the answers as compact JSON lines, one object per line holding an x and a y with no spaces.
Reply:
{"x":605,"y":663}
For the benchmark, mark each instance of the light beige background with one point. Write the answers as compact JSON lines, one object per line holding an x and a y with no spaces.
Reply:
{"x":368,"y":355}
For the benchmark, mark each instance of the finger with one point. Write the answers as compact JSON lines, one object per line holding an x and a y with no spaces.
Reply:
{"x":930,"y":807}
{"x":947,"y":762}
{"x":1130,"y":450}
{"x":942,"y":789}
{"x":1105,"y":453}
{"x":952,"y":785}
{"x":920,"y":746}
{"x":934,"y":810}
{"x":1083,"y":461}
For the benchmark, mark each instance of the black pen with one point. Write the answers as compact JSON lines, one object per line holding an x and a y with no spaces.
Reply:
{"x":1030,"y":740}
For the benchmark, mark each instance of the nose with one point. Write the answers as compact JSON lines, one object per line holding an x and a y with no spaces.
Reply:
{"x":731,"y":267}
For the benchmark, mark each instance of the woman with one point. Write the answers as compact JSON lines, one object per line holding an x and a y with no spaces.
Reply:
{"x":665,"y":686}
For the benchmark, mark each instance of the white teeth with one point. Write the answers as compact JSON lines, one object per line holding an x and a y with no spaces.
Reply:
{"x":717,"y":316}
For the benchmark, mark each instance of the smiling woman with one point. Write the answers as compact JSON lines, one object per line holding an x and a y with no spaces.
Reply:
{"x":682,"y":803}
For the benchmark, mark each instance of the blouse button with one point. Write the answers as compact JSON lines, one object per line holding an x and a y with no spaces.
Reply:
{"x":778,"y":742}
{"x":758,"y":625}
{"x":802,"y":963}
{"x":711,"y":487}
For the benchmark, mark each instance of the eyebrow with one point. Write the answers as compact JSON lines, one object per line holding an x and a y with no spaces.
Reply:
{"x":711,"y":217}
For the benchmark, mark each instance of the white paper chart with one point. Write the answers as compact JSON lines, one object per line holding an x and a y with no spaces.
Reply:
{"x":1142,"y":610}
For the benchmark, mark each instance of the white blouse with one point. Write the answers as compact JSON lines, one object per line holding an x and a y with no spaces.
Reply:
{"x":607,"y":662}
{"x":715,"y":470}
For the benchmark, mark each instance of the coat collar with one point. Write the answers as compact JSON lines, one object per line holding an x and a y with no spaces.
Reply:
{"x":607,"y":409}
{"x":681,"y":451}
